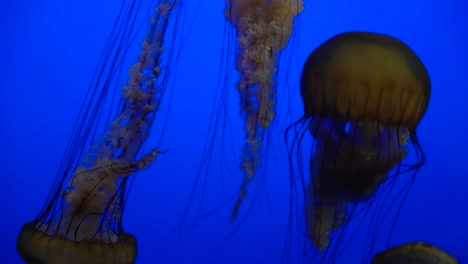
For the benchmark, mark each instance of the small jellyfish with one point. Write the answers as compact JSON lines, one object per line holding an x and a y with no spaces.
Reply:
{"x":364,"y":95}
{"x":414,"y":253}
{"x":82,"y":219}
{"x":263,"y":29}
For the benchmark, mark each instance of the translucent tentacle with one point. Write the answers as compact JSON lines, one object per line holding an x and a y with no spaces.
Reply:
{"x":263,"y":30}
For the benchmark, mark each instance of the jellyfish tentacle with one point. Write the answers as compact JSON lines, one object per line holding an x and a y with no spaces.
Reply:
{"x":263,"y":29}
{"x":140,"y":94}
{"x":127,"y":132}
{"x":83,"y":224}
{"x":347,"y":168}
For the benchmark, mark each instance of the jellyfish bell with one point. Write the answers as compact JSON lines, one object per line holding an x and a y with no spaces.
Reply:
{"x":366,"y":77}
{"x":364,"y":95}
{"x":414,"y":253}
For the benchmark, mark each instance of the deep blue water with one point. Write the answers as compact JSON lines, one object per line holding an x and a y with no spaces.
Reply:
{"x":48,"y":53}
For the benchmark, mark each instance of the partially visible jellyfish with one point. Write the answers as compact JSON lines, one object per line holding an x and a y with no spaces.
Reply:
{"x":82,"y":220}
{"x":263,"y":28}
{"x":414,"y":253}
{"x":364,"y":95}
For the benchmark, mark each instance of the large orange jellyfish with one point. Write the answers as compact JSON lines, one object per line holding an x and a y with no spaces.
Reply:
{"x":82,"y":220}
{"x":364,"y":95}
{"x":414,"y":253}
{"x":263,"y":28}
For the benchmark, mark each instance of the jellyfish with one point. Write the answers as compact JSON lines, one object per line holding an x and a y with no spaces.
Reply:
{"x":414,"y":253}
{"x":82,"y":220}
{"x":364,"y":95}
{"x":263,"y":28}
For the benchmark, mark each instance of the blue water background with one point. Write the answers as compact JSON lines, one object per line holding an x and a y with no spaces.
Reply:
{"x":48,"y":53}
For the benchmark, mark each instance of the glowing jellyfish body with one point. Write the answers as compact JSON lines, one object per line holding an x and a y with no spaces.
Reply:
{"x":263,"y":29}
{"x":414,"y":253}
{"x":364,"y":95}
{"x":82,"y":221}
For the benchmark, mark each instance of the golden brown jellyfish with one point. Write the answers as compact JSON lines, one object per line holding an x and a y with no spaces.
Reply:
{"x":364,"y":95}
{"x":414,"y":253}
{"x":263,"y":28}
{"x":81,"y":222}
